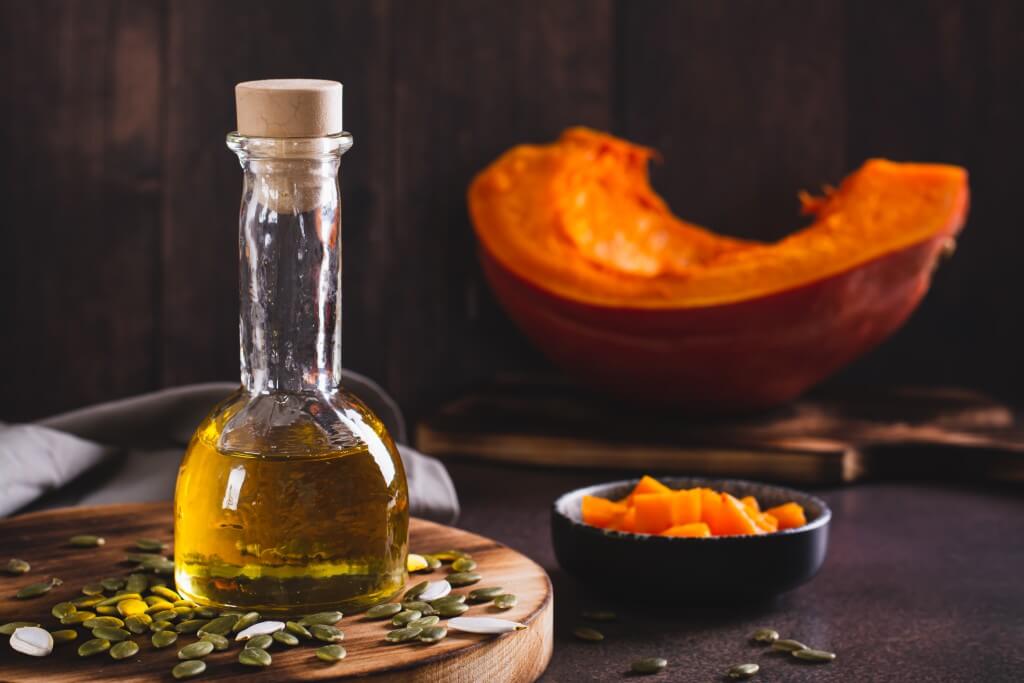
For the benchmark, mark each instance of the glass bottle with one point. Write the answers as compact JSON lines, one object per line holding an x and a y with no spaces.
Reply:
{"x":291,"y":496}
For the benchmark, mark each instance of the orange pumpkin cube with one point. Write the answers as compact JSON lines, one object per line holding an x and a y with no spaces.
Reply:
{"x":711,"y":510}
{"x":790,"y":515}
{"x":753,"y":507}
{"x":625,"y":522}
{"x":653,"y":511}
{"x":600,"y":512}
{"x":734,"y":520}
{"x":692,"y":530}
{"x":766,"y":523}
{"x":686,"y":507}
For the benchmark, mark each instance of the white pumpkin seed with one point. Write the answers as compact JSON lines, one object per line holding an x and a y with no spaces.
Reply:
{"x":435,"y":590}
{"x":488,"y":625}
{"x":32,"y":641}
{"x":259,"y":629}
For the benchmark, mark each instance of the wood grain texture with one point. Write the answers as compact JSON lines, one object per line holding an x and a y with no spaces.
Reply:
{"x":41,"y":539}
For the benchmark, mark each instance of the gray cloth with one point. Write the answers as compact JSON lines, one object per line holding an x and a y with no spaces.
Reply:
{"x":128,"y":451}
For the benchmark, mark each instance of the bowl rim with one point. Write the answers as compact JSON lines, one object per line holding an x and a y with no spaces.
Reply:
{"x":818,"y":522}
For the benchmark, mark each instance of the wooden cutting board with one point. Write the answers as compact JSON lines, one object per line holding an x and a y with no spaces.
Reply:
{"x":828,"y":438}
{"x":41,"y":539}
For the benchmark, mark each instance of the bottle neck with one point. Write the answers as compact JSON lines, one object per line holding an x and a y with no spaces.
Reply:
{"x":290,"y":264}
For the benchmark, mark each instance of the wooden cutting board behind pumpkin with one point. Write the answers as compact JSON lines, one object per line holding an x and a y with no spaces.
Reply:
{"x":824,"y":438}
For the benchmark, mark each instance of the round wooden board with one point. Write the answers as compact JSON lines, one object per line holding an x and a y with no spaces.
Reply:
{"x":41,"y":539}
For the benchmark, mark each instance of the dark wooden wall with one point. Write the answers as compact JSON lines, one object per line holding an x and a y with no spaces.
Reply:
{"x":118,"y":251}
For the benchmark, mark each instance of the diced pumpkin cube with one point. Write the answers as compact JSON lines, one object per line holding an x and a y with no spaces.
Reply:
{"x":711,"y":509}
{"x":733,"y":518}
{"x":691,"y":530}
{"x":647,"y":484}
{"x":766,"y":523}
{"x":653,"y":511}
{"x":625,"y":522}
{"x":686,"y":506}
{"x":790,"y":515}
{"x":752,"y":506}
{"x":600,"y":512}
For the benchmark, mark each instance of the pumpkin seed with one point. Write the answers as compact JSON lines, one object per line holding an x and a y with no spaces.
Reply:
{"x":16,"y":566}
{"x":32,"y":641}
{"x":649,"y":665}
{"x":112,"y":583}
{"x":765,"y":635}
{"x":210,"y":613}
{"x":188,"y":669}
{"x":743,"y":670}
{"x":415,"y":591}
{"x":62,"y":609}
{"x":86,"y":541}
{"x":34,"y":590}
{"x":138,"y":623}
{"x":463,"y":564}
{"x":599,"y":615}
{"x":326,"y":633}
{"x":150,"y":545}
{"x":136,"y":583}
{"x":220,"y":626}
{"x":190,"y":625}
{"x":788,"y":645}
{"x":87,"y":601}
{"x":253,"y":656}
{"x":433,"y":634}
{"x":453,"y":597}
{"x":9,"y":628}
{"x":77,"y":618}
{"x":93,"y":647}
{"x":484,"y":594}
{"x":424,"y":622}
{"x":326,"y":618}
{"x":388,"y":609}
{"x":160,"y":625}
{"x":91,"y":589}
{"x":102,"y":621}
{"x":505,"y":601}
{"x":152,"y":600}
{"x":112,"y":601}
{"x":196,"y":650}
{"x":106,"y":610}
{"x":164,"y":638}
{"x":452,"y":609}
{"x":463,"y":578}
{"x":450,"y":555}
{"x":424,"y":607}
{"x":245,"y":621}
{"x":405,"y":616}
{"x":432,"y":562}
{"x":128,"y":608}
{"x":812,"y":655}
{"x":164,"y":592}
{"x":415,"y":563}
{"x":110,"y":633}
{"x":65,"y":635}
{"x":587,"y":633}
{"x":143,"y":557}
{"x":487,"y":625}
{"x":403,"y":635}
{"x":185,"y":613}
{"x":286,"y":638}
{"x":298,"y":629}
{"x":220,"y":643}
{"x":263,"y":628}
{"x":164,"y":615}
{"x":331,"y":653}
{"x":124,"y":649}
{"x":260,"y":642}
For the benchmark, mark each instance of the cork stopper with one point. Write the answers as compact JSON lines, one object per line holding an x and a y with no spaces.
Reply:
{"x":288,"y":108}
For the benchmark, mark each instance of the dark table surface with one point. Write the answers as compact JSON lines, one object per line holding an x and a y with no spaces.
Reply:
{"x":923,"y":581}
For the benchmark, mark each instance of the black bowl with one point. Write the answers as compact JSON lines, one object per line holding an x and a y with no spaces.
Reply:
{"x":716,"y":570}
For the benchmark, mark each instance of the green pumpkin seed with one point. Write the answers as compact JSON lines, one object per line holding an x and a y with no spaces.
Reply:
{"x":325,"y":618}
{"x":164,"y":638}
{"x":765,"y":635}
{"x":185,"y":603}
{"x":423,"y":607}
{"x":92,"y":589}
{"x":415,"y":591}
{"x":110,"y":633}
{"x":9,"y":628}
{"x":450,"y":555}
{"x":16,"y":566}
{"x":93,"y":647}
{"x":245,"y":621}
{"x":220,"y":643}
{"x":138,"y":623}
{"x":463,"y":578}
{"x":161,"y":625}
{"x":124,"y":649}
{"x":87,"y":601}
{"x":433,"y":634}
{"x":505,"y":601}
{"x":260,"y":642}
{"x":185,"y":613}
{"x":587,"y":633}
{"x":77,"y":618}
{"x":295,"y":628}
{"x":62,"y":609}
{"x":485,"y":594}
{"x":188,"y":669}
{"x":164,"y":592}
{"x":86,"y":541}
{"x":65,"y":635}
{"x":424,"y":622}
{"x":34,"y":590}
{"x":788,"y":645}
{"x":649,"y":665}
{"x":328,"y":634}
{"x":101,"y":621}
{"x":812,"y":655}
{"x":196,"y":650}
{"x":388,"y":609}
{"x":452,"y":609}
{"x":463,"y":564}
{"x":220,"y":626}
{"x":432,"y":562}
{"x":112,"y":583}
{"x":403,"y":635}
{"x":190,"y":625}
{"x":136,"y":583}
{"x":451,"y":597}
{"x":743,"y":670}
{"x":599,"y":615}
{"x":286,"y":638}
{"x":150,"y":545}
{"x":405,"y":616}
{"x":211,"y":613}
{"x":120,"y":597}
{"x":143,"y":557}
{"x":252,"y":656}
{"x":331,"y":653}
{"x":164,"y":615}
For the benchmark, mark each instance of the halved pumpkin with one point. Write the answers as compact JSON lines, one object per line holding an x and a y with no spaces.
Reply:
{"x":589,"y":261}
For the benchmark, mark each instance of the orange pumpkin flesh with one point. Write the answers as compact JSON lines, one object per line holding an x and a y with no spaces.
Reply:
{"x":593,"y":266}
